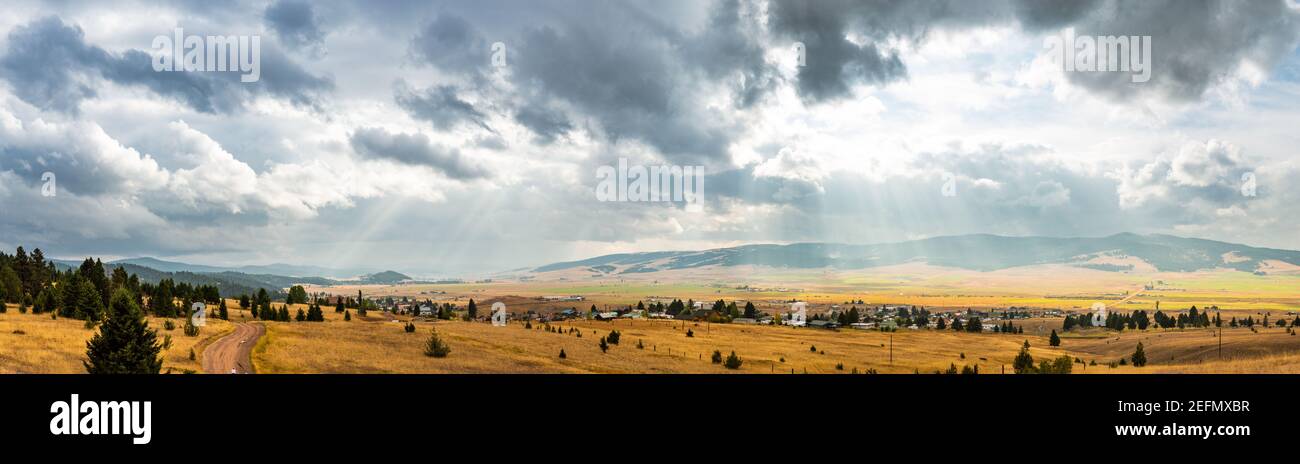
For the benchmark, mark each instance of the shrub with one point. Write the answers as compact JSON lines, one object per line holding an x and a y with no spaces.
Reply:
{"x":639,"y":345}
{"x":434,"y":347}
{"x":410,"y":327}
{"x":690,"y":333}
{"x":813,"y":348}
{"x":562,"y":355}
{"x":613,"y":337}
{"x":191,"y":330}
{"x":733,"y":361}
{"x":346,"y":315}
{"x":717,"y":357}
{"x":169,"y":325}
{"x":192,"y":354}
{"x":604,"y":346}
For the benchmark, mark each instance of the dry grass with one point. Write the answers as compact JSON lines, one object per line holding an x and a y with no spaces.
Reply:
{"x":376,"y":344}
{"x":58,"y":346}
{"x":384,"y":347}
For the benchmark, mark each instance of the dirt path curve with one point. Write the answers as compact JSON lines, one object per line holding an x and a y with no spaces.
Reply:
{"x":233,"y":351}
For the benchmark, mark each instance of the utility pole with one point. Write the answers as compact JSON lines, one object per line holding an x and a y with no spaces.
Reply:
{"x":891,"y":349}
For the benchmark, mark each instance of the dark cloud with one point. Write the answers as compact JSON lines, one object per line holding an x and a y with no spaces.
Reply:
{"x":1047,"y":14}
{"x":295,"y":24}
{"x":624,"y":74}
{"x":548,"y":124}
{"x":439,"y":105}
{"x":452,"y":44}
{"x":415,"y":150}
{"x":727,"y":49}
{"x":49,"y":65}
{"x":1196,"y":45}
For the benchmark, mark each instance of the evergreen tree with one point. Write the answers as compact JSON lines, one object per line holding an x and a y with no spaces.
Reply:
{"x":733,"y":362}
{"x":750,"y":311}
{"x":297,"y":295}
{"x":1139,"y":356}
{"x":1024,"y":362}
{"x":473,"y":309}
{"x":222,"y":312}
{"x":314,"y":313}
{"x":434,"y":346}
{"x":346,"y":315}
{"x":124,"y":344}
{"x":1054,"y":340}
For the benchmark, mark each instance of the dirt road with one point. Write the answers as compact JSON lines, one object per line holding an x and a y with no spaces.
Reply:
{"x":233,"y":351}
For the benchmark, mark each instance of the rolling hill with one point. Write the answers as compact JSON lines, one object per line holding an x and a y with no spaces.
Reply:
{"x":979,"y":252}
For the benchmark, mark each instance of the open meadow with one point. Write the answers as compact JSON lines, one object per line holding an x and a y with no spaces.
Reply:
{"x":39,"y":344}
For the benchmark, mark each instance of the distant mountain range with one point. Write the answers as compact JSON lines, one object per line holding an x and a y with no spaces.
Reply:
{"x":239,"y":280}
{"x":980,"y":252}
{"x":290,"y":270}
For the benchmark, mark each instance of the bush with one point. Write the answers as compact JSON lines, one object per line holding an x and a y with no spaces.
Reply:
{"x":434,"y":347}
{"x":604,"y":346}
{"x":410,"y":327}
{"x":613,"y":337}
{"x":169,"y":325}
{"x":346,"y":315}
{"x":717,"y":357}
{"x":562,"y":355}
{"x":192,"y":354}
{"x":191,"y":330}
{"x":733,"y":361}
{"x":690,"y":333}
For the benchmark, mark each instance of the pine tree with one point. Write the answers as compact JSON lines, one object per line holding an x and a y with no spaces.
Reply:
{"x":604,"y":346}
{"x":1139,"y":356}
{"x":1024,"y":362}
{"x":222,"y":312}
{"x":733,"y":361}
{"x":314,"y":314}
{"x":124,"y":344}
{"x":473,"y":309}
{"x":434,"y":346}
{"x":1054,"y":340}
{"x":346,"y":315}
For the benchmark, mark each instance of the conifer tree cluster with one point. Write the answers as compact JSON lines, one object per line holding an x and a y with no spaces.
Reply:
{"x":125,"y":344}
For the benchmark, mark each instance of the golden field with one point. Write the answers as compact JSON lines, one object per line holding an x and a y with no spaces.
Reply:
{"x":379,"y":344}
{"x":58,"y":346}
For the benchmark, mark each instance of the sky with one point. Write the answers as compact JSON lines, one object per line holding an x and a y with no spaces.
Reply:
{"x":446,"y":138}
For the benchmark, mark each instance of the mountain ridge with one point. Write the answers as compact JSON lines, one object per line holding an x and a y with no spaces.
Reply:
{"x":981,"y":252}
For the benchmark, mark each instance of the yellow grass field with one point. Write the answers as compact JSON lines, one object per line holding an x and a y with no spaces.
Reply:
{"x":58,"y":346}
{"x":378,"y":343}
